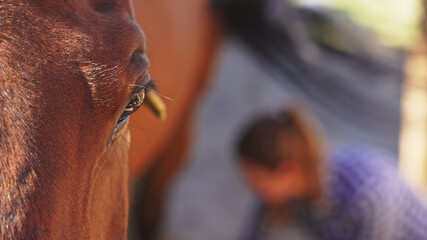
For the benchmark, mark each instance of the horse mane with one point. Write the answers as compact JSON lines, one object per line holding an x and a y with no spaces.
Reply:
{"x":292,"y":43}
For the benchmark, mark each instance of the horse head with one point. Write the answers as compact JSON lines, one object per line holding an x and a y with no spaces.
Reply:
{"x":71,"y":71}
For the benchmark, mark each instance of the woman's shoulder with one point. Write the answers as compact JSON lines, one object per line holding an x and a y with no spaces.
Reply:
{"x":353,"y":168}
{"x":361,"y":156}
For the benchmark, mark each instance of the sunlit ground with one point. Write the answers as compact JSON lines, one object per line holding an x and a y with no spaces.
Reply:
{"x":395,"y":21}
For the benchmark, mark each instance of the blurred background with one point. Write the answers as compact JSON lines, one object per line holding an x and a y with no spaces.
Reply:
{"x":357,"y":66}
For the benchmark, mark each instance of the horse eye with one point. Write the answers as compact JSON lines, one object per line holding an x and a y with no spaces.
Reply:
{"x":133,"y":104}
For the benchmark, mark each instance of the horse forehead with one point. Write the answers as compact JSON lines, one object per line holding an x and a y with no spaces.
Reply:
{"x":98,"y":43}
{"x":74,"y":26}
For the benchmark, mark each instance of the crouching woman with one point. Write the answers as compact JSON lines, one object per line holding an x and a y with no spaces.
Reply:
{"x":347,"y":192}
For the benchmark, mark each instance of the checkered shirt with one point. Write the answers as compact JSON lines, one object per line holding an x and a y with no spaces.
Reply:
{"x":367,"y":200}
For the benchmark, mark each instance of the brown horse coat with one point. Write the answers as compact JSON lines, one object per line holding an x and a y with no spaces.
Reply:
{"x":68,"y":68}
{"x":183,"y":38}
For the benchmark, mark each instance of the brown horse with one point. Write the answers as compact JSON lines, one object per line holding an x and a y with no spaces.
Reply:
{"x":70,"y":74}
{"x":183,"y":38}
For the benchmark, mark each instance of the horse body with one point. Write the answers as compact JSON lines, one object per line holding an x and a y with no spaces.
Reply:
{"x":183,"y":39}
{"x":66,"y":74}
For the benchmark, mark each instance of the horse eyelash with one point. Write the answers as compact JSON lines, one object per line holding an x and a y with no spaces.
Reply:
{"x":150,"y":86}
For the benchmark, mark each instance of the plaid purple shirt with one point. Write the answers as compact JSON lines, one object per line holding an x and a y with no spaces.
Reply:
{"x":367,"y":201}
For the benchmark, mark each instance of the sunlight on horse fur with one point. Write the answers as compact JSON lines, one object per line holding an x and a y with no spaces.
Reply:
{"x":110,"y":73}
{"x":66,"y":68}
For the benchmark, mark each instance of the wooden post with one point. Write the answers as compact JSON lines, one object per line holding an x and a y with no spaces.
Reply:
{"x":413,"y":141}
